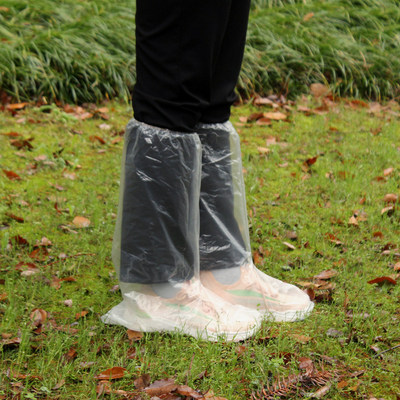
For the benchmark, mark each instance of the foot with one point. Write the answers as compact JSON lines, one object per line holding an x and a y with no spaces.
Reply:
{"x":276,"y":300}
{"x":194,"y":310}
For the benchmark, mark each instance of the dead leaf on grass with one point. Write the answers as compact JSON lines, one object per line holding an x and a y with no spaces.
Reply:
{"x":390,"y":198}
{"x":163,"y":386}
{"x":13,"y":176}
{"x":111,"y":373}
{"x":327,"y":274}
{"x":134,"y":336}
{"x":81,"y":222}
{"x":142,"y":381}
{"x":382,"y":280}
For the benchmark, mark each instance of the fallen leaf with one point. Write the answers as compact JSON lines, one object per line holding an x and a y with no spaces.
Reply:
{"x":382,"y":279}
{"x":388,"y":171}
{"x":342,"y":384}
{"x":71,"y":354}
{"x":81,"y":222}
{"x":81,"y":314}
{"x":68,"y":303}
{"x":353,"y":221}
{"x":59,"y":384}
{"x":111,"y":373}
{"x":95,"y":138}
{"x":289,"y":246}
{"x":86,"y":364}
{"x":163,"y":386}
{"x":277,"y":116}
{"x":142,"y":381}
{"x":389,"y":210}
{"x":327,"y":274}
{"x":189,"y":392}
{"x":390,"y":198}
{"x":332,"y":332}
{"x":16,"y":106}
{"x":311,"y":161}
{"x":321,"y":392}
{"x":263,"y":150}
{"x":264,"y":121}
{"x":15,"y":217}
{"x":13,"y":176}
{"x":396,"y":266}
{"x":134,"y":336}
{"x":38,"y":316}
{"x":262,"y":101}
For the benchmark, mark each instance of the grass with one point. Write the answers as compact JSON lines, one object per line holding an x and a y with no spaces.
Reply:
{"x":354,"y":147}
{"x":77,"y":51}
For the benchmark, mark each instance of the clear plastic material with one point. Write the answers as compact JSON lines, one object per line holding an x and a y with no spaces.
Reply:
{"x":156,"y":242}
{"x":181,"y":228}
{"x":276,"y":300}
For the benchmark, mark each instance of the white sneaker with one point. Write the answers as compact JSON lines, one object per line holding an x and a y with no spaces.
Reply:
{"x":195,"y":311}
{"x":276,"y":300}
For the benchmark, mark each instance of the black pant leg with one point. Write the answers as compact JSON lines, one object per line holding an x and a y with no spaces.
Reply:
{"x":178,"y":44}
{"x":228,"y":63}
{"x":221,"y":241}
{"x":160,"y":214}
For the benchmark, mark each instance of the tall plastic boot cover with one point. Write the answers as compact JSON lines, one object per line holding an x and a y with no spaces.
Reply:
{"x":156,"y":242}
{"x":224,"y":234}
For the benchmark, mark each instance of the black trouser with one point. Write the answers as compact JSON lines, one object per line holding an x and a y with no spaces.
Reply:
{"x":188,"y":58}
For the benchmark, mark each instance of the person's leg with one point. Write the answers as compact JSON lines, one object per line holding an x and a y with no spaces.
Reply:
{"x":157,"y":233}
{"x":178,"y":43}
{"x":242,"y":283}
{"x":225,"y":257}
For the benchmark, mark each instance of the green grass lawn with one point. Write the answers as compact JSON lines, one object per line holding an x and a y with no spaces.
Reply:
{"x":69,"y":167}
{"x":83,"y":51}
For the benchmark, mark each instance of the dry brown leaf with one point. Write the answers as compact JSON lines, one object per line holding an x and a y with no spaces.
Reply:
{"x":263,"y":150}
{"x":264,"y":121}
{"x":262,"y":101}
{"x":388,"y":171}
{"x":81,"y":314}
{"x":163,"y":386}
{"x":142,"y":382}
{"x":276,"y":116}
{"x":353,"y":221}
{"x":390,"y":198}
{"x":321,"y":392}
{"x":289,"y":246}
{"x":111,"y":373}
{"x":382,"y":279}
{"x":396,"y":266}
{"x":189,"y":392}
{"x":81,"y":222}
{"x":327,"y":274}
{"x":389,"y":210}
{"x":134,"y":336}
{"x":11,"y":175}
{"x":38,"y":316}
{"x":16,"y":106}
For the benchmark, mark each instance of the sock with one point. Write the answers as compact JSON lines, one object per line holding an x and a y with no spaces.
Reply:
{"x":227,"y":276}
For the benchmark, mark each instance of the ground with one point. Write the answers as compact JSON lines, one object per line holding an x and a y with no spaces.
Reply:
{"x":322,"y":179}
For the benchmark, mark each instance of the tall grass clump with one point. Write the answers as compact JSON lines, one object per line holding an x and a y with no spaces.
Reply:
{"x":78,"y":51}
{"x":67,"y":50}
{"x":354,"y":46}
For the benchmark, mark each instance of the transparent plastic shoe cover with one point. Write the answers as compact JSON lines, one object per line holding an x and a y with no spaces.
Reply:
{"x":156,"y":242}
{"x":224,"y":234}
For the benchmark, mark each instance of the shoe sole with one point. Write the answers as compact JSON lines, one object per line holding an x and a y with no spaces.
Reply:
{"x":162,"y":325}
